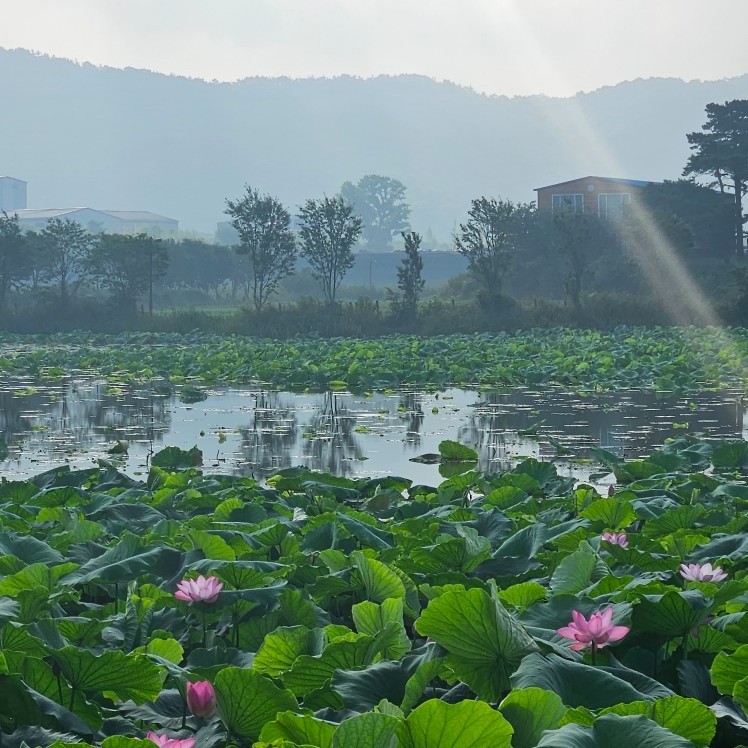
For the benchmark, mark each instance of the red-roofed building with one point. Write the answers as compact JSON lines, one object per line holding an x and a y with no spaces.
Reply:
{"x":597,"y":196}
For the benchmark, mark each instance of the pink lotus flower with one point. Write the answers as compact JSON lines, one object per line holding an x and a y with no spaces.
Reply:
{"x":200,"y":590}
{"x":164,"y":741}
{"x":598,"y":631}
{"x":616,"y":538}
{"x":201,"y":698}
{"x":702,"y":573}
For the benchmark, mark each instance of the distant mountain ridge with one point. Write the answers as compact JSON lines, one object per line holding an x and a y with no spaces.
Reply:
{"x":137,"y":140}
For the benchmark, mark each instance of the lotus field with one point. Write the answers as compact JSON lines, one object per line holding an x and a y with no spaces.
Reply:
{"x":521,"y":609}
{"x":490,"y":611}
{"x":683,"y":359}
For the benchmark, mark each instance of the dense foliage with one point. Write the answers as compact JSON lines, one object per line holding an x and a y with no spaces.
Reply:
{"x":328,"y":231}
{"x":262,"y":224}
{"x":720,"y":152}
{"x":325,"y":612}
{"x":380,"y":203}
{"x":625,"y":358}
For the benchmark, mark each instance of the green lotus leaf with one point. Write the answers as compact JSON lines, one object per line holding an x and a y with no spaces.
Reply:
{"x":531,"y":711}
{"x":577,"y":684}
{"x":612,"y":730}
{"x":484,"y":642}
{"x":416,"y":684}
{"x":121,"y":563}
{"x":611,"y":514}
{"x":728,"y":669}
{"x":247,"y":700}
{"x":29,"y":549}
{"x":129,"y":676}
{"x":370,"y":618}
{"x":468,"y":724}
{"x":173,"y":458}
{"x":280,"y":649}
{"x":672,"y":614}
{"x":122,"y":741}
{"x":452,"y":451}
{"x":578,"y":571}
{"x":311,"y":672}
{"x":372,"y":730}
{"x":299,"y":729}
{"x":685,"y":717}
{"x":22,"y":705}
{"x":380,"y":582}
{"x":35,"y":575}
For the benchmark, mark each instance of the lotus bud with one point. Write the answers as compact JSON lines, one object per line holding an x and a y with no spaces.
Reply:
{"x":201,"y":699}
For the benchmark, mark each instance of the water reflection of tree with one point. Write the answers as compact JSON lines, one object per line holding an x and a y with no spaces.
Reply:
{"x":628,"y":425}
{"x":488,"y":431}
{"x":268,"y":441}
{"x":334,"y":444}
{"x":411,"y":405}
{"x":80,"y":415}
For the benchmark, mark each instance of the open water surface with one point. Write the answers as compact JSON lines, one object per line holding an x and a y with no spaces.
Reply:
{"x":255,"y":432}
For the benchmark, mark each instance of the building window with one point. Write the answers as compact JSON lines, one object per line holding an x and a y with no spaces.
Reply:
{"x":610,"y":205}
{"x":567,"y":203}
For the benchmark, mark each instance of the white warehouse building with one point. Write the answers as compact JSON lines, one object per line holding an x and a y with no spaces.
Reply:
{"x":98,"y":221}
{"x":13,"y":201}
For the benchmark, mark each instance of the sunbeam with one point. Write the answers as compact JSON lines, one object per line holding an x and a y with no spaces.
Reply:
{"x":664,"y":272}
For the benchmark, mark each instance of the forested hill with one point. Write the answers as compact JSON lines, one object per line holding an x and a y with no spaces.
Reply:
{"x":132,"y":139}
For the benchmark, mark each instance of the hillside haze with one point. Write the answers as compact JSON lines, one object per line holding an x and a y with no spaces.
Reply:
{"x":137,"y":140}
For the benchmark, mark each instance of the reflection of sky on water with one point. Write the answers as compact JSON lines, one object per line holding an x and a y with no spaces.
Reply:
{"x":256,"y":432}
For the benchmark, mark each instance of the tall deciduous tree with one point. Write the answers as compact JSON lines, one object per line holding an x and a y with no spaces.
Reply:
{"x":489,"y":238}
{"x":128,"y":266}
{"x":329,"y":229}
{"x":410,"y":272}
{"x":15,"y":265}
{"x":266,"y":239}
{"x":380,"y":202}
{"x":721,"y":151}
{"x":67,"y":250}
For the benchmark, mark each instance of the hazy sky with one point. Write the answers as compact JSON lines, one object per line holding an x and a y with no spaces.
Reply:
{"x":555,"y":47}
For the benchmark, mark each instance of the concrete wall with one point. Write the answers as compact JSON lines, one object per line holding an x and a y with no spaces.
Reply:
{"x":380,"y":268}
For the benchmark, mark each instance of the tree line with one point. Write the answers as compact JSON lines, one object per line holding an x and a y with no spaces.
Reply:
{"x":675,"y":218}
{"x":503,"y":242}
{"x":500,"y":239}
{"x":56,"y":261}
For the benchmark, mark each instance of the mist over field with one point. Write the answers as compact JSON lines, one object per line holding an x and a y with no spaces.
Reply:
{"x":136,"y":140}
{"x":399,"y":409}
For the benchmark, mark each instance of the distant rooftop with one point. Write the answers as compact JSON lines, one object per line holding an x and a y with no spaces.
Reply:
{"x":45,"y":212}
{"x":130,"y":216}
{"x":140,"y":216}
{"x":631,"y":182}
{"x":15,"y":179}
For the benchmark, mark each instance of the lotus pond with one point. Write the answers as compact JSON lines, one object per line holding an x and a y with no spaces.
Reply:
{"x":666,"y":359}
{"x":363,"y":407}
{"x":336,"y":612}
{"x":248,"y":431}
{"x":566,"y":567}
